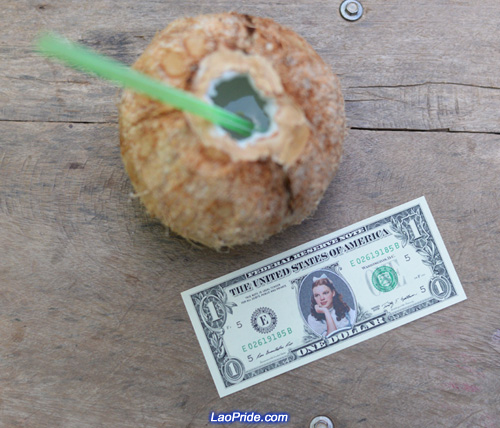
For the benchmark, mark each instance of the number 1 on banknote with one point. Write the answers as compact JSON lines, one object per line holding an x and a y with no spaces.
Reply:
{"x":323,"y":296}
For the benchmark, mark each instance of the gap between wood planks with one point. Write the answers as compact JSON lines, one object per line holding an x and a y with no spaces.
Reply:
{"x":423,"y":130}
{"x":355,"y":128}
{"x":412,"y":85}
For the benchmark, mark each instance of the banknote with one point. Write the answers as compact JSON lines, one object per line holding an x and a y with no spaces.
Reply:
{"x":323,"y":296}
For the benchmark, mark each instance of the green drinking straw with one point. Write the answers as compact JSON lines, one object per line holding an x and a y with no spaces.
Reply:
{"x":83,"y":58}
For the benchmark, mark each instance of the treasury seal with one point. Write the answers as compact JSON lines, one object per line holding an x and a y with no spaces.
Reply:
{"x":264,"y":320}
{"x":385,"y":279}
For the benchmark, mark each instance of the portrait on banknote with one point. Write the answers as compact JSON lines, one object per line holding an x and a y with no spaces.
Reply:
{"x":327,"y":302}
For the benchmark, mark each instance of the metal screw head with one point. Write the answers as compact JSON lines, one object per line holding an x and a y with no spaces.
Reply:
{"x":351,"y":10}
{"x":321,"y":422}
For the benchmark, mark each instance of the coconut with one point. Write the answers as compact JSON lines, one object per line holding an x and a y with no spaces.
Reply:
{"x":213,"y":186}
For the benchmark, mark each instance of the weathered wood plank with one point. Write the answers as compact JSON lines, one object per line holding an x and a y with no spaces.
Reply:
{"x":92,"y":328}
{"x":93,"y":331}
{"x":418,"y":66}
{"x":425,"y":106}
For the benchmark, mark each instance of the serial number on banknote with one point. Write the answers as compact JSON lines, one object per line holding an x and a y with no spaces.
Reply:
{"x":374,"y":254}
{"x":265,"y":340}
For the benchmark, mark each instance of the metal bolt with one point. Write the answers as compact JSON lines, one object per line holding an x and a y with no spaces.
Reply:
{"x":321,"y":422}
{"x":351,"y":10}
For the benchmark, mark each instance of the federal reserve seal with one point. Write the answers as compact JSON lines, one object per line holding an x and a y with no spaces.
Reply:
{"x":264,"y":320}
{"x":385,"y":279}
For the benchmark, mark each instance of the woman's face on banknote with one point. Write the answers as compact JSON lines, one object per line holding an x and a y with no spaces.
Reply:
{"x":323,"y":296}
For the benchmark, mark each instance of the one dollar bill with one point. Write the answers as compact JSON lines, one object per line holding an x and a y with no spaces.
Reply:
{"x":323,"y":296}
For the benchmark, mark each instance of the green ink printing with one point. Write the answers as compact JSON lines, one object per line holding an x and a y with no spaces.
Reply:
{"x":385,"y":279}
{"x":267,"y":339}
{"x":374,"y":254}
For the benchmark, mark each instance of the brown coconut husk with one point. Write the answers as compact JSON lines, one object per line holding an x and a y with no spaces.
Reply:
{"x":206,"y":187}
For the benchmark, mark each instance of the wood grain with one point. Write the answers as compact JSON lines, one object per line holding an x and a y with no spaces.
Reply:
{"x":425,"y":65}
{"x":93,"y":332}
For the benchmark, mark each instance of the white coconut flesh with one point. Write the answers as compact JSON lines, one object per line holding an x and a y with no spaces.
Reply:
{"x":238,"y":94}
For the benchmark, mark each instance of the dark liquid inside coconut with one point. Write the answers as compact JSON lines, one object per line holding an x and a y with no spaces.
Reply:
{"x":238,"y":96}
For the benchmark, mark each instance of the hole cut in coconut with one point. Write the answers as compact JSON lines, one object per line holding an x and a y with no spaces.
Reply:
{"x":238,"y":94}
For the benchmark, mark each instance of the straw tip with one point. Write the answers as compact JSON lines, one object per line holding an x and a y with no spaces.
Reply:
{"x":46,"y":41}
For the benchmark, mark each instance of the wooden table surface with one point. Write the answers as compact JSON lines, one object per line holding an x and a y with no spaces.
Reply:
{"x":93,"y":331}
